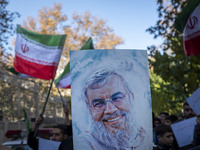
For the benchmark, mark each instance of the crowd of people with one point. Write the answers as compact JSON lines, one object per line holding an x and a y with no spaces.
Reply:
{"x":60,"y":133}
{"x":163,"y":136}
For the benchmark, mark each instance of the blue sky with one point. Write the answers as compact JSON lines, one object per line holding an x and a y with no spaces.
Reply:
{"x":128,"y":18}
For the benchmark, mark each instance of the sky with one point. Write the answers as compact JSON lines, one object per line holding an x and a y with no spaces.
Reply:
{"x":128,"y":18}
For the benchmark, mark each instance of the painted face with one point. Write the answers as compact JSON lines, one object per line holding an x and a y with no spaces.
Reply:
{"x":109,"y":102}
{"x":166,"y":139}
{"x":57,"y":135}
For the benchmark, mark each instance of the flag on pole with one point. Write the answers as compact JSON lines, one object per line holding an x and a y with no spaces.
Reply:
{"x":64,"y":81}
{"x":37,"y":55}
{"x":188,"y":23}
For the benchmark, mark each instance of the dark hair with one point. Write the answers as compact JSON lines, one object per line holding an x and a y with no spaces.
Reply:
{"x":62,"y":127}
{"x":157,"y":119}
{"x":185,"y":104}
{"x":161,"y":129}
{"x":168,"y":118}
{"x":165,"y":113}
{"x":174,"y":118}
{"x":99,"y":78}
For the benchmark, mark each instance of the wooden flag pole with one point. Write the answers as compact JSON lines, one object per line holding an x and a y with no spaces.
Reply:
{"x":43,"y":110}
{"x":47,"y":98}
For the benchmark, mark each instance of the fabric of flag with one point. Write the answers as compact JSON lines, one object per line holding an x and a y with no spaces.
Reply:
{"x":12,"y":70}
{"x":191,"y":33}
{"x":64,"y":80}
{"x":182,"y":18}
{"x":27,"y":121}
{"x":188,"y":23}
{"x":37,"y":55}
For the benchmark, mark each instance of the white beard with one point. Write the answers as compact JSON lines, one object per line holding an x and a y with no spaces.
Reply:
{"x":119,"y":139}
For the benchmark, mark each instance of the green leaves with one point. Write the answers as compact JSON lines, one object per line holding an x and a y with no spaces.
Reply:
{"x":178,"y":75}
{"x":6,"y":26}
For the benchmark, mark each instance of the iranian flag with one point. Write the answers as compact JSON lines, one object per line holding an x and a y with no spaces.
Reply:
{"x":64,"y":80}
{"x":37,"y":55}
{"x":188,"y":22}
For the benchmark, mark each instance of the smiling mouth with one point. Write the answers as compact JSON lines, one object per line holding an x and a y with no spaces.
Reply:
{"x":112,"y":119}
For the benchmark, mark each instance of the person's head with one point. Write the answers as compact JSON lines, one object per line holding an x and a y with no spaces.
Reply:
{"x":174,"y":118}
{"x":110,"y":102}
{"x":108,"y":98}
{"x":164,"y":134}
{"x":59,"y":133}
{"x":162,"y":116}
{"x":187,"y":110}
{"x":168,"y":121}
{"x":156,"y":122}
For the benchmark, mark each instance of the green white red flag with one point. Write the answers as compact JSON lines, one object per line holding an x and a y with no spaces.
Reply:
{"x":37,"y":55}
{"x":188,"y":22}
{"x":64,"y":80}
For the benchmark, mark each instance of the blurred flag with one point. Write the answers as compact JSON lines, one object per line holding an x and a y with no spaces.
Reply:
{"x":37,"y":55}
{"x":64,"y":81}
{"x":27,"y":121}
{"x":188,"y":23}
{"x":12,"y":70}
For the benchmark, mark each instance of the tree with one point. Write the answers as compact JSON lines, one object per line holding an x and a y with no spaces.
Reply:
{"x":6,"y":26}
{"x":5,"y":60}
{"x":6,"y":29}
{"x":51,"y":21}
{"x":162,"y":99}
{"x":181,"y":74}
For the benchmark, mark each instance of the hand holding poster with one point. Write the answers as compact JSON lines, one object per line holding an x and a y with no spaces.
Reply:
{"x":111,"y":104}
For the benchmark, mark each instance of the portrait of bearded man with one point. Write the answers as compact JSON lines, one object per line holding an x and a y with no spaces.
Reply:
{"x":111,"y":105}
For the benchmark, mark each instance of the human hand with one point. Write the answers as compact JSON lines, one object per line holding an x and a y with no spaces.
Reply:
{"x":39,"y":121}
{"x":66,"y":111}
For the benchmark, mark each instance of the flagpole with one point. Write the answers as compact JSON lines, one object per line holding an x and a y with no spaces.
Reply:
{"x":41,"y":115}
{"x":61,"y":97}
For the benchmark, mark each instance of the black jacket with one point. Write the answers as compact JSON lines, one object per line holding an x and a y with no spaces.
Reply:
{"x":66,"y":144}
{"x":32,"y":141}
{"x":196,"y":138}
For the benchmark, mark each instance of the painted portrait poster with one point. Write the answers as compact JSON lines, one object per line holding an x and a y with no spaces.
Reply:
{"x":111,"y":101}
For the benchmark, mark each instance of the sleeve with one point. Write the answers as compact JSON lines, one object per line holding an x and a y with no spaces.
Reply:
{"x":32,"y":141}
{"x":67,"y":144}
{"x":196,"y":138}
